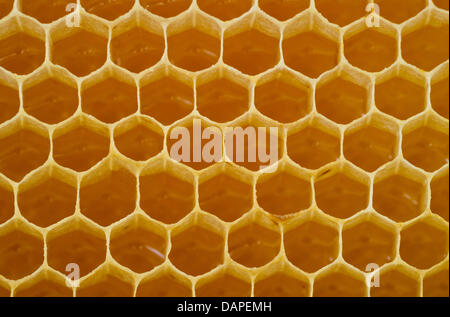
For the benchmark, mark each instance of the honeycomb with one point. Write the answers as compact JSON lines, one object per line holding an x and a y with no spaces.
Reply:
{"x":358,"y":204}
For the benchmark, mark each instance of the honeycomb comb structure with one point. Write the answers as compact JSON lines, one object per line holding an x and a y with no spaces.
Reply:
{"x":90,"y":92}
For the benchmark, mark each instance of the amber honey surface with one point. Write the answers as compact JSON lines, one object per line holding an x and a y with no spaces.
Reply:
{"x":357,"y":203}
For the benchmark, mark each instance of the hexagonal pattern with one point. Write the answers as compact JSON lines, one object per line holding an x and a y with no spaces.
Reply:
{"x":80,"y":53}
{"x":367,"y":243}
{"x":370,"y":147}
{"x":22,"y":254}
{"x":222,"y":100}
{"x":167,"y":100}
{"x":47,"y":203}
{"x":196,"y":250}
{"x":253,"y":245}
{"x":78,"y":246}
{"x":21,"y":53}
{"x":160,"y":203}
{"x":80,"y":149}
{"x":370,"y":50}
{"x":311,"y":246}
{"x":304,"y":47}
{"x":426,"y":47}
{"x":283,"y":194}
{"x":137,"y":49}
{"x":50,"y":101}
{"x":426,"y":140}
{"x":422,"y":245}
{"x":341,"y":100}
{"x":399,"y":198}
{"x":88,"y":175}
{"x":251,"y":52}
{"x":341,"y":196}
{"x":193,"y":50}
{"x":110,"y":100}
{"x":282,"y":101}
{"x":110,"y":198}
{"x":400,"y":98}
{"x":22,"y":152}
{"x":225,"y":197}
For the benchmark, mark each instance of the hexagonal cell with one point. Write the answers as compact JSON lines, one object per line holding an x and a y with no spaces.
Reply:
{"x":6,"y":201}
{"x":312,"y":245}
{"x":425,"y":139}
{"x":81,"y":53}
{"x":342,"y":12}
{"x":340,"y":195}
{"x":370,"y":147}
{"x":282,"y":101}
{"x":46,"y":202}
{"x":423,"y":245}
{"x":22,"y":152}
{"x":109,"y":10}
{"x":80,"y":148}
{"x":443,"y":4}
{"x":196,"y":250}
{"x":426,"y":47}
{"x":281,"y":285}
{"x":77,"y":244}
{"x":440,"y":97}
{"x":253,"y":245}
{"x":368,"y":242}
{"x":398,"y":11}
{"x":165,"y":197}
{"x":140,"y":142}
{"x":313,"y":148}
{"x":339,"y":282}
{"x":435,"y":284}
{"x":138,"y":248}
{"x":107,"y":285}
{"x":440,"y":194}
{"x":341,"y":100}
{"x":9,"y":103}
{"x":167,"y":100}
{"x":193,"y":50}
{"x":21,"y":53}
{"x":398,"y":197}
{"x":225,"y":10}
{"x":283,"y":193}
{"x":184,"y":146}
{"x":301,"y":49}
{"x":44,"y":286}
{"x":400,"y":97}
{"x":110,"y":197}
{"x":253,"y":146}
{"x":166,"y":8}
{"x":22,"y":254}
{"x":5,"y":7}
{"x":110,"y":100}
{"x":165,"y":285}
{"x":45,"y":11}
{"x":225,"y":285}
{"x":283,"y":10}
{"x":221,"y":100}
{"x":226,"y":197}
{"x":251,"y":52}
{"x":395,"y":283}
{"x":370,"y":50}
{"x":50,"y":101}
{"x":137,"y":49}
